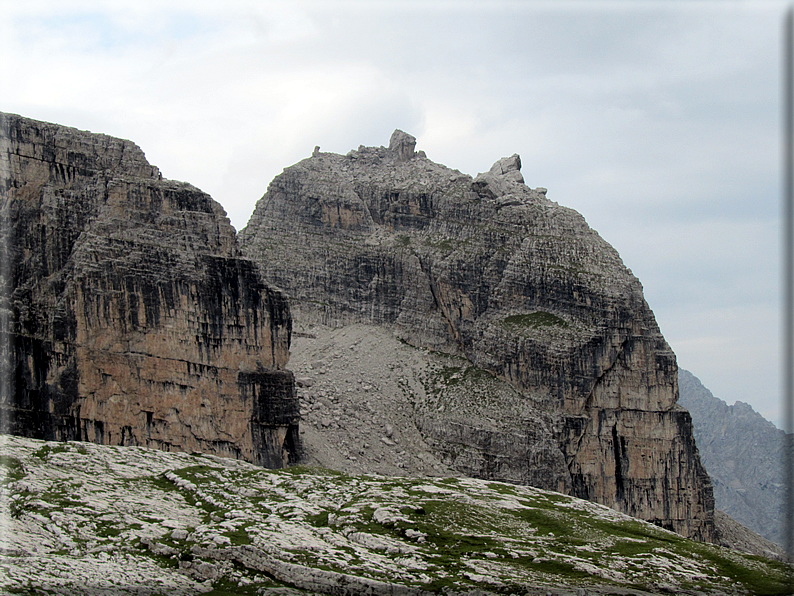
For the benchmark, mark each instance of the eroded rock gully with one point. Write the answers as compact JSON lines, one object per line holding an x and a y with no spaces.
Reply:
{"x":129,"y":315}
{"x":492,"y":270}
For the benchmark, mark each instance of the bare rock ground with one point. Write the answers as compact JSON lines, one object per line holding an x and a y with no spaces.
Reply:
{"x":93,"y":520}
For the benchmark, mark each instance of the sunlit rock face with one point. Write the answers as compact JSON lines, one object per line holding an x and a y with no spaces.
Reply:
{"x":130,"y":317}
{"x":491,"y":269}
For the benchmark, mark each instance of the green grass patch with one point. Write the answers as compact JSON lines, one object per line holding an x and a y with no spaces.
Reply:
{"x":447,"y":522}
{"x":46,"y":450}
{"x":239,"y":536}
{"x":544,"y":522}
{"x":162,"y":483}
{"x":60,"y":499}
{"x":555,"y":498}
{"x":631,"y":529}
{"x":502,"y":488}
{"x":13,"y":470}
{"x":108,"y":531}
{"x":628,"y":548}
{"x":318,"y":520}
{"x":445,"y":245}
{"x":767,"y":578}
{"x":199,"y":472}
{"x":560,"y":569}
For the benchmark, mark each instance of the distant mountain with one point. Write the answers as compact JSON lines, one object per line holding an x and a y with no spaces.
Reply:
{"x":743,"y":453}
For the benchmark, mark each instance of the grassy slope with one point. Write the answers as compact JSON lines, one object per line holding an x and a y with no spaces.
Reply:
{"x":102,"y":512}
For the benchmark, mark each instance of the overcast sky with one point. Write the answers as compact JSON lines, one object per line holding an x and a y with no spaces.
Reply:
{"x":658,"y":121}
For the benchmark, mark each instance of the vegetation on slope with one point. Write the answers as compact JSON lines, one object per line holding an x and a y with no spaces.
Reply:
{"x":88,"y":518}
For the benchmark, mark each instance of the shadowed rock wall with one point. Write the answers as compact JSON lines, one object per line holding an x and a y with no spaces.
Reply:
{"x":130,"y":317}
{"x":491,"y":269}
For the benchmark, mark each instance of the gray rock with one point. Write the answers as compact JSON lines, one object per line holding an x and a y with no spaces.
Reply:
{"x":491,"y":270}
{"x":179,"y":534}
{"x":207,"y":570}
{"x":304,"y":382}
{"x":402,"y":145}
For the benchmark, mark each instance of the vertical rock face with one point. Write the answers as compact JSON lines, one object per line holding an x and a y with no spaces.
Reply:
{"x":491,"y":269}
{"x":130,"y":317}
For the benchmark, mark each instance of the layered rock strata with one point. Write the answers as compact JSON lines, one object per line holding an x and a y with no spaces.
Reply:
{"x":129,"y":316}
{"x":492,"y":270}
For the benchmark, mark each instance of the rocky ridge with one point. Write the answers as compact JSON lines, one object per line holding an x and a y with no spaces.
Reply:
{"x":90,"y":520}
{"x":743,"y":453}
{"x":490,"y":270}
{"x":129,"y":315}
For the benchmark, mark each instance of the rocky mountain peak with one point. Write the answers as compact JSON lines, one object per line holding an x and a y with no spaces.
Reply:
{"x":492,"y":271}
{"x":503,"y":178}
{"x":132,"y":317}
{"x":402,"y":145}
{"x":137,"y":317}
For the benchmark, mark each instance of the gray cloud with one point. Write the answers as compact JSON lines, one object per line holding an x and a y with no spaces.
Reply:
{"x":659,"y":122}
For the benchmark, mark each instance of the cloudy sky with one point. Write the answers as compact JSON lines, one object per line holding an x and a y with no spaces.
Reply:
{"x":658,"y":121}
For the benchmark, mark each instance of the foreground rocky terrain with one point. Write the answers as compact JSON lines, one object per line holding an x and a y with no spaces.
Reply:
{"x":743,"y":453}
{"x":129,"y":316}
{"x":492,"y":273}
{"x":85,"y":519}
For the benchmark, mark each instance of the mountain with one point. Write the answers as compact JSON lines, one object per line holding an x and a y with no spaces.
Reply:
{"x":132,"y":315}
{"x":91,"y":520}
{"x":523,"y":293}
{"x":129,"y":316}
{"x":743,"y":453}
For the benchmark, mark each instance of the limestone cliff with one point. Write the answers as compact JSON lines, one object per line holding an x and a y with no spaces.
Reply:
{"x":129,"y":316}
{"x":490,"y":269}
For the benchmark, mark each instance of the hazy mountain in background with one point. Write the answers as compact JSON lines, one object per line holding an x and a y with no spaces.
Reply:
{"x":743,"y":454}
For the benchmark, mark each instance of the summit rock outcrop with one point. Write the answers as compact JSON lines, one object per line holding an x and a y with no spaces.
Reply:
{"x":492,"y":270}
{"x":129,"y":315}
